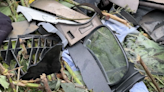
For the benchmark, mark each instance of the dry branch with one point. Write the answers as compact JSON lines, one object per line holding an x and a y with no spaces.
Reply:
{"x":45,"y":82}
{"x":149,"y":74}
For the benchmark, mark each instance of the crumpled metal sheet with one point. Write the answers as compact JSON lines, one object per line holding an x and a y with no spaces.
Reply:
{"x":60,"y":10}
{"x":22,"y":28}
{"x":132,"y":4}
{"x":32,"y":14}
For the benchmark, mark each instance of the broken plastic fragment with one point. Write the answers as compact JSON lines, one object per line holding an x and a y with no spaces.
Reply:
{"x":32,"y":14}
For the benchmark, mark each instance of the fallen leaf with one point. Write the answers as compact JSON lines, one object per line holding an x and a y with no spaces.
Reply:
{"x":5,"y":10}
{"x":3,"y":82}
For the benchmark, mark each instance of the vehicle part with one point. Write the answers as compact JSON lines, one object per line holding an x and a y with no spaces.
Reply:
{"x":157,"y":1}
{"x":132,"y":4}
{"x":111,"y":58}
{"x":129,"y":17}
{"x":59,"y":10}
{"x":76,"y":32}
{"x":93,"y":2}
{"x":49,"y":28}
{"x":154,"y":25}
{"x":152,"y":5}
{"x":132,"y":77}
{"x":120,"y":30}
{"x":40,"y":49}
{"x":109,"y":54}
{"x":32,"y":14}
{"x":90,"y":71}
{"x":22,"y":28}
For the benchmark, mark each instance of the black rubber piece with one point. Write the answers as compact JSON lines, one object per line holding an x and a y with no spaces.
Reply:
{"x":132,"y":77}
{"x":49,"y":64}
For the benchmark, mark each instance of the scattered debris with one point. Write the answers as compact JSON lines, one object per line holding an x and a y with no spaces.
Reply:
{"x":35,"y":55}
{"x":74,"y":33}
{"x":32,"y":14}
{"x":60,"y":10}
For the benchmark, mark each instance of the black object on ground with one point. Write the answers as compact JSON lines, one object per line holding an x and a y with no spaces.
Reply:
{"x":132,"y":77}
{"x":49,"y":64}
{"x":5,"y":27}
{"x":45,"y":45}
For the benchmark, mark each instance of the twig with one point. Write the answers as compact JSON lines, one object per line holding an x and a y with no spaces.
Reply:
{"x":115,"y":18}
{"x":45,"y":82}
{"x":149,"y":74}
{"x":31,"y":85}
{"x":12,"y":8}
{"x":26,"y":3}
{"x":4,"y":71}
{"x":82,"y":87}
{"x":18,"y":79}
{"x":49,"y":77}
{"x":23,"y":3}
{"x":24,"y":50}
{"x":27,"y":90}
{"x":64,"y":75}
{"x":72,"y":73}
{"x":15,"y":69}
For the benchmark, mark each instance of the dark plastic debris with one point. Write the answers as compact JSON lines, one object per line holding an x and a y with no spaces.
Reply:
{"x":46,"y":45}
{"x":132,"y":77}
{"x":49,"y":64}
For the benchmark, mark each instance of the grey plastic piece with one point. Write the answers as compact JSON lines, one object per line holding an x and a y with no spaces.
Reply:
{"x":51,"y":29}
{"x":90,"y":71}
{"x":129,"y":17}
{"x":154,"y":25}
{"x":75,"y":32}
{"x":132,"y":4}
